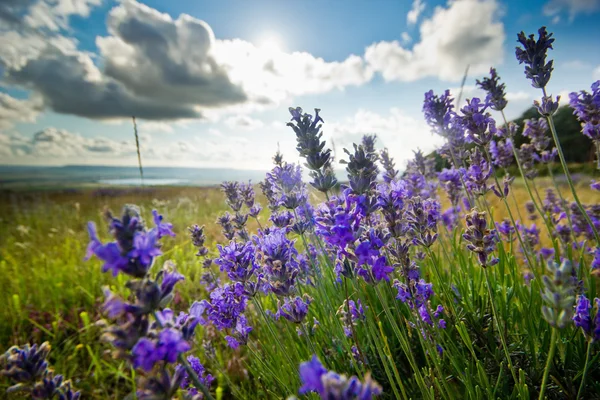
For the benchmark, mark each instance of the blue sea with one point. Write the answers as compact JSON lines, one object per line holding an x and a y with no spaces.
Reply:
{"x":83,"y":175}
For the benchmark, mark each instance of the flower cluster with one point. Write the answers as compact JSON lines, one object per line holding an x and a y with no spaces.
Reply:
{"x":331,"y":386}
{"x":27,"y":367}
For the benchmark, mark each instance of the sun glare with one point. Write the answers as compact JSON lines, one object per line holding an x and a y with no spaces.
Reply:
{"x":270,"y":43}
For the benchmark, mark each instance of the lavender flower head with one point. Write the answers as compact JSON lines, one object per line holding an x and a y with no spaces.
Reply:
{"x":496,"y":94}
{"x":533,"y":55}
{"x":559,"y":294}
{"x":502,"y":152}
{"x":482,"y":241}
{"x":331,"y":386}
{"x":587,"y":108}
{"x":478,"y":123}
{"x":537,"y":131}
{"x":437,"y":110}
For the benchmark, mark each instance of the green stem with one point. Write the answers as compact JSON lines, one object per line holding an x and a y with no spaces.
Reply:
{"x":548,"y":364}
{"x":500,"y":331}
{"x":585,"y":369}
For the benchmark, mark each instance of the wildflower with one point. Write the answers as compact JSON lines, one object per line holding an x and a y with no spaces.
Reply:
{"x":533,"y":54}
{"x":451,"y":182}
{"x":502,"y":152}
{"x":587,"y":108}
{"x":437,"y":110}
{"x":28,"y":369}
{"x":361,"y":168}
{"x":203,"y":377}
{"x":237,"y":260}
{"x":582,"y":317}
{"x":422,"y":217}
{"x":482,"y":241}
{"x":496,"y":94}
{"x":507,"y":229}
{"x":548,"y":106}
{"x":537,"y":131}
{"x":310,"y":146}
{"x":559,"y":294}
{"x":279,"y":259}
{"x":164,"y":228}
{"x":528,"y":157}
{"x":294,"y":310}
{"x":332,"y":386}
{"x":167,"y":347}
{"x":226,"y":304}
{"x":478,"y":124}
{"x":198,"y":239}
{"x":388,"y":165}
{"x":477,"y":174}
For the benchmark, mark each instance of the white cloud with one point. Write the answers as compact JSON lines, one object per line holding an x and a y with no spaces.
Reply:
{"x":13,"y":110}
{"x":519,"y":96}
{"x":413,"y":15}
{"x":554,"y":8}
{"x":406,"y":38}
{"x":467,"y":32}
{"x":54,"y":14}
{"x":52,"y":144}
{"x":400,"y":132}
{"x":243,"y":122}
{"x":155,"y":127}
{"x":271,"y":76}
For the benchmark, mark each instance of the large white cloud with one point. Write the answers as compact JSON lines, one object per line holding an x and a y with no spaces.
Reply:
{"x":467,"y":32}
{"x":156,"y":67}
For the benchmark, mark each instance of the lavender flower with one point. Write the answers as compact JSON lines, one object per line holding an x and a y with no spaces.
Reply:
{"x":533,"y":54}
{"x":226,"y":304}
{"x":582,"y":318}
{"x":237,"y":260}
{"x":477,"y":174}
{"x":204,"y":378}
{"x":451,"y":182}
{"x":586,"y":106}
{"x":496,"y":94}
{"x":27,"y":368}
{"x":437,"y":110}
{"x":388,"y":165}
{"x":362,"y":171}
{"x":310,"y":146}
{"x":478,"y":124}
{"x":558,"y":294}
{"x":422,"y":218}
{"x":198,"y":239}
{"x":331,"y":386}
{"x":134,"y":248}
{"x":294,"y":310}
{"x":502,"y":152}
{"x":537,"y":131}
{"x":482,"y":241}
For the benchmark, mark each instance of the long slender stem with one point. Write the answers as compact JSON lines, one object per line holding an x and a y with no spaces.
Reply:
{"x":585,"y":369}
{"x":548,"y":364}
{"x":500,"y":330}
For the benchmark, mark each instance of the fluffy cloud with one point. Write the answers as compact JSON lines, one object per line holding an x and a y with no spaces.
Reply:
{"x":52,"y":143}
{"x":554,"y":8}
{"x":54,"y":14}
{"x":13,"y":110}
{"x":399,"y":132}
{"x":413,"y":15}
{"x":159,"y":68}
{"x":467,"y":32}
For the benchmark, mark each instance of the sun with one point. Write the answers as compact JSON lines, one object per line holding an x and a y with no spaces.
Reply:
{"x":270,"y":43}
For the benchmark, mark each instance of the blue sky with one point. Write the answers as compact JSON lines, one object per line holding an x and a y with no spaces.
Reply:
{"x":210,"y":82}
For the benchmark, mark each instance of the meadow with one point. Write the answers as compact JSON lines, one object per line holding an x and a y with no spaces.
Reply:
{"x":463,"y":283}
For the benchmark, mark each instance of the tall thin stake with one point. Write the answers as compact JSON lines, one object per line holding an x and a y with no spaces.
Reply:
{"x":137,"y":146}
{"x":462,"y":85}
